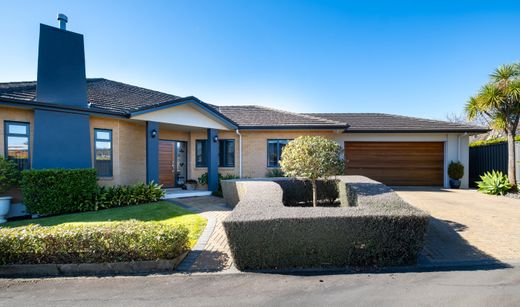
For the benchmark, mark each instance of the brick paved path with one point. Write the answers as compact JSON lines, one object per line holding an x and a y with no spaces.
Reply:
{"x":211,"y":253}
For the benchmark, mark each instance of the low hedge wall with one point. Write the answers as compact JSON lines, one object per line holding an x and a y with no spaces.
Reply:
{"x":377,"y":228}
{"x":58,"y":191}
{"x":91,"y":243}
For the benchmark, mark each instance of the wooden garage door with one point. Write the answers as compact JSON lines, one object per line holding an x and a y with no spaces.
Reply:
{"x":397,"y":163}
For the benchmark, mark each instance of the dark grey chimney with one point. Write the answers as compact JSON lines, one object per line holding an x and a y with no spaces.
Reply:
{"x":61,"y":66}
{"x":62,"y":20}
{"x":61,"y":139}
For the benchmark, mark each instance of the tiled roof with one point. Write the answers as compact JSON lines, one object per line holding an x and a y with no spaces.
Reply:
{"x":102,"y":93}
{"x":379,"y":122}
{"x":262,"y":117}
{"x":111,"y":96}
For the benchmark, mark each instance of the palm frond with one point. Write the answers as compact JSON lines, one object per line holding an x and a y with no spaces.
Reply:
{"x":503,"y":74}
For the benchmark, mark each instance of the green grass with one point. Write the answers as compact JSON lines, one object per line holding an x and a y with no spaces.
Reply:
{"x":164,"y":212}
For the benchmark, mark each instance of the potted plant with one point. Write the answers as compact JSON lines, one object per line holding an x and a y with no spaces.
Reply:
{"x":191,"y":184}
{"x":9,"y":178}
{"x":455,"y":172}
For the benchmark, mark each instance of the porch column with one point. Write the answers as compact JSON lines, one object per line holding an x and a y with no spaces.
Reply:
{"x":152,"y":152}
{"x":212,"y":160}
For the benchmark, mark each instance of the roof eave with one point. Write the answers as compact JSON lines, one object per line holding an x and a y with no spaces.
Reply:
{"x":56,"y":107}
{"x":469,"y":130}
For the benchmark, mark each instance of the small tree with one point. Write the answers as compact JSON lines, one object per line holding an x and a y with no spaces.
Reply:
{"x":499,"y":103}
{"x":312,"y":157}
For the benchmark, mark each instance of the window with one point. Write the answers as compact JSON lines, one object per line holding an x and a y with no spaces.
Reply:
{"x":274,"y":152}
{"x":200,"y":153}
{"x":103,"y":152}
{"x":226,"y":153}
{"x":17,"y":143}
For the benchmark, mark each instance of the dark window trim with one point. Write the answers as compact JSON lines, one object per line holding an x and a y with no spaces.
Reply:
{"x":28,"y":135}
{"x":111,"y":151}
{"x":278,"y":151}
{"x":218,"y":148}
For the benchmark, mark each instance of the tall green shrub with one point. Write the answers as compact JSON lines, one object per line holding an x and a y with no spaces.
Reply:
{"x":55,"y":191}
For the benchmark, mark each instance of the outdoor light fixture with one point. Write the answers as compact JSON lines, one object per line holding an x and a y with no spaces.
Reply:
{"x":154,"y":133}
{"x":215,"y":139}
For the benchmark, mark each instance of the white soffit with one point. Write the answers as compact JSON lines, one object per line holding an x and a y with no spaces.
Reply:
{"x":187,"y":114}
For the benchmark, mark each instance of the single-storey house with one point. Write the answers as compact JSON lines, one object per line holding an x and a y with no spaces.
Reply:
{"x":131,"y":134}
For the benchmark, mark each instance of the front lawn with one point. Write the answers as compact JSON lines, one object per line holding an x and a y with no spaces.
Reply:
{"x":162,"y":211}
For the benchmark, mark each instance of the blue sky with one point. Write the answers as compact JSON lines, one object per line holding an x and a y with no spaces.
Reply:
{"x":407,"y":57}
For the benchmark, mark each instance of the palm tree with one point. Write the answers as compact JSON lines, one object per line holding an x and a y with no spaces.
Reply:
{"x":499,"y":103}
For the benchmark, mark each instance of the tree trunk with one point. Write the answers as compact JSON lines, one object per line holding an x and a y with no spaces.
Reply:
{"x":511,"y":162}
{"x":314,"y":194}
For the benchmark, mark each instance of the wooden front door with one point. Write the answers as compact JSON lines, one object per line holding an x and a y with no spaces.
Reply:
{"x":397,"y":163}
{"x":166,"y":163}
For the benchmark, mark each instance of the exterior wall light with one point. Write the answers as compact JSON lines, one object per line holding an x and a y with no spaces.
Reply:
{"x":154,"y":133}
{"x":215,"y":139}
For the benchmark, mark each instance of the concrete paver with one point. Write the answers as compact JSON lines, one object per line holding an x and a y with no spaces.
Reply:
{"x":477,"y":226}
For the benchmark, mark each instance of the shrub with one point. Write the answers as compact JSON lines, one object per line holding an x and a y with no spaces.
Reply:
{"x":274,"y":172}
{"x":455,"y":170}
{"x":89,"y":243}
{"x":312,"y":157}
{"x":494,"y":183}
{"x":121,"y":196}
{"x":55,"y":191}
{"x":381,"y":230}
{"x":9,"y":175}
{"x":298,"y":193}
{"x":58,"y":191}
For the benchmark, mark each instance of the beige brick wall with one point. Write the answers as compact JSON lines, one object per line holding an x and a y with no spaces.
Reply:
{"x":254,"y":148}
{"x":20,"y":115}
{"x":128,"y":149}
{"x":129,"y":146}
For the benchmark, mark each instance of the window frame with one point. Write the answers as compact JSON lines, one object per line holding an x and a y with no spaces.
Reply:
{"x":205,"y":155}
{"x":111,"y":140}
{"x":222,"y":158}
{"x":278,"y":151}
{"x":7,"y":134}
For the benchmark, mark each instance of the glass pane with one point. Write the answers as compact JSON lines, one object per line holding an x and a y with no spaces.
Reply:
{"x":18,"y":147}
{"x":103,"y":151}
{"x":272,"y":153}
{"x":200,"y":153}
{"x":103,"y":168}
{"x":102,"y":135}
{"x":17,"y":129}
{"x":230,"y":153}
{"x":103,"y":145}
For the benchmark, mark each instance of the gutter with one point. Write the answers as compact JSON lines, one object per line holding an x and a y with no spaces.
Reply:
{"x":239,"y":153}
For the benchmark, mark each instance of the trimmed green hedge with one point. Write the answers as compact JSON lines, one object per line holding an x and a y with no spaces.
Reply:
{"x":55,"y":191}
{"x":92,"y":243}
{"x":376,"y":228}
{"x":491,"y":141}
{"x":298,"y":193}
{"x":58,"y":191}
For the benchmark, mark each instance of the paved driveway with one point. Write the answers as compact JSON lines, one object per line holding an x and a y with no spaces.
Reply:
{"x":468,"y":225}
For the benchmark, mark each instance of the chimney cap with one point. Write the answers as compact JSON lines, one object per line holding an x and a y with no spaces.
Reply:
{"x":62,"y":20}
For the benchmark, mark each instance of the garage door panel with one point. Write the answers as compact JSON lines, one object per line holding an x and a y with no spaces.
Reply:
{"x":397,"y":163}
